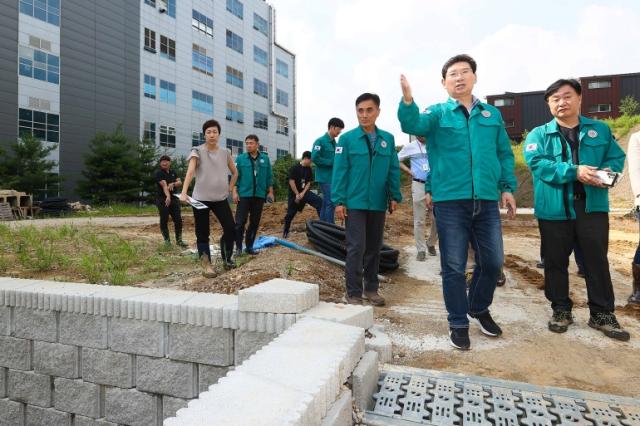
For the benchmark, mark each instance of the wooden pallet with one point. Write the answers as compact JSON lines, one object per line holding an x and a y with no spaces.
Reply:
{"x":6,"y":212}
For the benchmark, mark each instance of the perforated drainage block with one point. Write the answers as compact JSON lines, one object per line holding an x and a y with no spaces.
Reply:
{"x":408,"y":396}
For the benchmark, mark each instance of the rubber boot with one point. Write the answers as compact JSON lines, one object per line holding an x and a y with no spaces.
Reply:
{"x":207,"y":270}
{"x":635,"y":293}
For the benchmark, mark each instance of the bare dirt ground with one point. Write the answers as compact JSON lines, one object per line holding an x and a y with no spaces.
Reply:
{"x":415,"y":317}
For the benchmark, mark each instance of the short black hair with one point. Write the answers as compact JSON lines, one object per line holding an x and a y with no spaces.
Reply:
{"x":459,"y":58}
{"x":368,"y":97}
{"x":336,"y":122}
{"x":164,"y":158}
{"x":211,"y":123}
{"x":252,"y":136}
{"x":556,"y":85}
{"x":306,"y":154}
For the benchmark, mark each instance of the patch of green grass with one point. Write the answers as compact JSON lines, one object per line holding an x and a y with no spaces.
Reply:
{"x":622,"y":125}
{"x":118,"y":210}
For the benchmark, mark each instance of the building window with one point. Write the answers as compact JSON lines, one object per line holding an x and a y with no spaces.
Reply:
{"x":234,"y":112}
{"x":150,"y":2}
{"x":201,"y":102}
{"x":509,"y":124}
{"x":602,"y":84}
{"x":600,"y":108}
{"x":260,"y":120}
{"x":197,"y":138}
{"x":234,"y":41}
{"x":168,"y":6}
{"x":41,"y":125}
{"x":235,"y":7}
{"x":503,"y":102}
{"x":235,"y":77}
{"x":282,"y":68}
{"x":281,"y":153}
{"x":149,"y":131}
{"x":260,"y":88}
{"x":260,"y":24}
{"x":167,"y":92}
{"x":283,"y":126}
{"x":202,"y":23}
{"x":149,"y":86}
{"x":200,"y":61}
{"x":167,"y":48}
{"x":150,"y":40}
{"x":260,"y":56}
{"x":44,"y":10}
{"x":167,"y":136}
{"x":40,"y":65}
{"x":282,"y":97}
{"x":235,"y":146}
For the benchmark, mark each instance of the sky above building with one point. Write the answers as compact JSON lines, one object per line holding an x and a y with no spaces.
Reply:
{"x":346,"y":47}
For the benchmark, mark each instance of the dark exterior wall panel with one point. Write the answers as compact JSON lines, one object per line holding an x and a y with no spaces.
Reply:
{"x":9,"y":73}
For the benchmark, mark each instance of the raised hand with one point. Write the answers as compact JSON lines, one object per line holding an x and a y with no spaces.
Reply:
{"x":407,"y":97}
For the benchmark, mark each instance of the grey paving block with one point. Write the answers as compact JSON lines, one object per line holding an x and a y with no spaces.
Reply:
{"x":137,"y":337}
{"x":3,"y":382}
{"x":5,"y":320}
{"x":209,"y":375}
{"x":248,"y":342}
{"x":55,"y":359}
{"x":365,"y":380}
{"x":381,"y":343}
{"x":30,"y":388}
{"x":108,"y":368}
{"x":76,"y":396}
{"x":88,"y":421}
{"x":201,"y":344}
{"x":171,"y":405}
{"x":265,"y":322}
{"x":15,"y":353}
{"x":131,"y":407}
{"x":166,"y":377}
{"x":35,"y":324}
{"x":84,"y":330}
{"x":11,"y":412}
{"x":340,"y":412}
{"x":279,"y":296}
{"x":358,"y":316}
{"x":38,"y":416}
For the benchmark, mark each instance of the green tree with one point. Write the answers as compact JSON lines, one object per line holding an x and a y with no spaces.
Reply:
{"x":27,"y":169}
{"x":629,"y":106}
{"x":281,"y":176}
{"x":148,"y":155}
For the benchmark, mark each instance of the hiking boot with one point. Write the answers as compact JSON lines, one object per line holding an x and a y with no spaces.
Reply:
{"x":459,"y":338}
{"x":432,"y":250}
{"x":207,"y":270}
{"x":635,"y":293}
{"x":353,"y":300}
{"x":502,"y":279}
{"x":486,"y":323}
{"x":560,"y":321}
{"x":421,"y":257}
{"x":608,"y":324}
{"x":374,"y":298}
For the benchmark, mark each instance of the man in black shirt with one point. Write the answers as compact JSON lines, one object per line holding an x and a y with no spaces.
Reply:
{"x":168,"y":205}
{"x":300,"y":179}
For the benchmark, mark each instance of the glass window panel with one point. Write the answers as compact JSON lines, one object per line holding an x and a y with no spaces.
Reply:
{"x":25,"y":114}
{"x":53,"y":119}
{"x":39,"y":74}
{"x":52,"y":136}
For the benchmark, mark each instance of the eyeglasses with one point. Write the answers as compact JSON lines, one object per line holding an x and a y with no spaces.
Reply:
{"x":464,"y":72}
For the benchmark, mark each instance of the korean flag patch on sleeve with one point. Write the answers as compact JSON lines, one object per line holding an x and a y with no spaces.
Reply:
{"x":338,"y":150}
{"x":531,"y":147}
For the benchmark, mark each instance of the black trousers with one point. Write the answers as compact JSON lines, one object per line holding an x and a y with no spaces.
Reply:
{"x":364,"y":234}
{"x":172,"y":210}
{"x":251,"y":208}
{"x":591,"y":232}
{"x":293,"y":208}
{"x":224,"y":215}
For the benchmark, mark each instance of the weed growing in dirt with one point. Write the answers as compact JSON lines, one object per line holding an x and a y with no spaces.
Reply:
{"x":622,"y":125}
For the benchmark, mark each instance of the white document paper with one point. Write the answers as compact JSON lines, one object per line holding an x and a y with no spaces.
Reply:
{"x":193,"y":202}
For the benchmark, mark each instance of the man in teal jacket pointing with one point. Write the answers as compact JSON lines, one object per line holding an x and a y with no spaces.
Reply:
{"x":471,"y":169}
{"x":366,"y":182}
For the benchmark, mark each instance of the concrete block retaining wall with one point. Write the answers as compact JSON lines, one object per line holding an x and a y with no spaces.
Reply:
{"x":80,"y":354}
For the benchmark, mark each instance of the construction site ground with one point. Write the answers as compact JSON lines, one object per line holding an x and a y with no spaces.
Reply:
{"x":415,"y":317}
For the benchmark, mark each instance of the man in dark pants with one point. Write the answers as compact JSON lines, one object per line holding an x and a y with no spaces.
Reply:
{"x":254,"y":185}
{"x":168,"y":205}
{"x":322,"y":155}
{"x":571,"y":203}
{"x":366,"y":182}
{"x":300,"y":180}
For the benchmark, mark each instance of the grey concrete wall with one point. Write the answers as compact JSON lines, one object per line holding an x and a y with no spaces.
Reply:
{"x":8,"y":73}
{"x":99,"y":77}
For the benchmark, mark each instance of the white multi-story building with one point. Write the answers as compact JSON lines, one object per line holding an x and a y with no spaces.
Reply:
{"x":159,"y":68}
